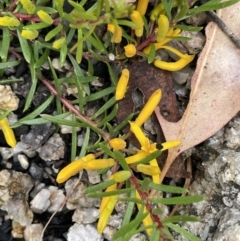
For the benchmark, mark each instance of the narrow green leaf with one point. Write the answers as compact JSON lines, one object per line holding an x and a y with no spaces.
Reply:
{"x":188,"y":28}
{"x":110,"y":193}
{"x":105,"y":107}
{"x":121,"y":160}
{"x":135,"y":200}
{"x":35,"y":113}
{"x":109,"y":117}
{"x":63,"y":54}
{"x":9,"y":64}
{"x":183,"y":11}
{"x":42,"y":59}
{"x":75,"y":66}
{"x":26,"y":49}
{"x":178,"y":200}
{"x":133,"y":225}
{"x":36,"y":121}
{"x":152,"y":54}
{"x":155,"y":235}
{"x":36,"y":26}
{"x":183,"y":232}
{"x":9,"y":81}
{"x":53,"y":32}
{"x":180,"y":218}
{"x":79,"y":47}
{"x":59,"y":120}
{"x":99,"y":186}
{"x":74,"y":140}
{"x":112,"y":74}
{"x":85,"y":142}
{"x":5,"y":43}
{"x":129,"y":210}
{"x":32,"y":90}
{"x":145,"y":184}
{"x":150,"y":157}
{"x":127,"y":23}
{"x":124,"y":123}
{"x":106,"y":150}
{"x":167,"y":188}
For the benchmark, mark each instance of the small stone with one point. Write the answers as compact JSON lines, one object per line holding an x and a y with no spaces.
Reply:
{"x":111,"y":56}
{"x":6,"y":152}
{"x":93,"y":176}
{"x":183,"y":75}
{"x":56,"y":198}
{"x":198,"y":19}
{"x":85,"y":215}
{"x":38,"y":187}
{"x":108,"y":232}
{"x":84,"y":233}
{"x":195,"y":45}
{"x":33,"y":232}
{"x":65,"y":129}
{"x":138,"y":237}
{"x":17,"y":230}
{"x":53,"y":149}
{"x":41,"y":202}
{"x":77,"y":196}
{"x":36,"y":171}
{"x":23,"y":160}
{"x":8,"y":99}
{"x":115,"y":220}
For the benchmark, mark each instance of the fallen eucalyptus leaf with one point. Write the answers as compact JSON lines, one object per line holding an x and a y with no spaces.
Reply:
{"x":215,"y":89}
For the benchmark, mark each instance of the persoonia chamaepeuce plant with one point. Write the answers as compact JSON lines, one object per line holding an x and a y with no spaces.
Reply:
{"x":72,"y":29}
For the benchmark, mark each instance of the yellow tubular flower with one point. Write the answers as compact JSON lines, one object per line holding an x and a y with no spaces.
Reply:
{"x":148,"y":220}
{"x":106,"y":199}
{"x":73,"y":168}
{"x":28,"y":6}
{"x":136,"y":130}
{"x":29,"y":34}
{"x":105,"y":214}
{"x":130,"y":50}
{"x":117,"y":143}
{"x":138,"y":20}
{"x":170,"y":144}
{"x":117,"y":34}
{"x":57,"y":44}
{"x":155,"y":177}
{"x":135,"y":158}
{"x":149,"y":107}
{"x":98,"y":164}
{"x":148,"y":169}
{"x":173,"y":66}
{"x":142,"y":6}
{"x":45,"y":17}
{"x":9,"y":21}
{"x":8,"y":133}
{"x":122,"y":84}
{"x":163,"y":27}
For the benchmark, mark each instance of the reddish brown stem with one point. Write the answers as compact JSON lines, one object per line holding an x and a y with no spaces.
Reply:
{"x":69,"y":105}
{"x":144,"y":197}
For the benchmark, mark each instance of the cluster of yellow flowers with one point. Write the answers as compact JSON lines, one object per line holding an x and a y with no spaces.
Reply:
{"x":89,"y":162}
{"x":163,"y":36}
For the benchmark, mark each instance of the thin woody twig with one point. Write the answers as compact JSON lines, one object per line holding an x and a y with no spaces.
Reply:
{"x":224,"y":28}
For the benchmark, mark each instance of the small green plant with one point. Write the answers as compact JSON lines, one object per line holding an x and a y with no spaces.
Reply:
{"x":43,"y":26}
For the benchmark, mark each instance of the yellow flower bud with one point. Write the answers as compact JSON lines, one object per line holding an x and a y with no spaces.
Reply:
{"x":9,"y":21}
{"x":149,"y":107}
{"x":117,"y":143}
{"x":28,"y":6}
{"x":8,"y":133}
{"x":130,"y":50}
{"x":142,"y":6}
{"x":121,"y":176}
{"x":122,"y":84}
{"x":45,"y":17}
{"x":117,"y":34}
{"x":105,"y":214}
{"x":154,"y":164}
{"x":170,"y":144}
{"x":163,"y":27}
{"x":106,"y":199}
{"x":148,"y":170}
{"x":73,"y":168}
{"x":57,"y":44}
{"x":135,"y":158}
{"x":29,"y":34}
{"x":98,"y":164}
{"x":138,"y":20}
{"x":159,"y":8}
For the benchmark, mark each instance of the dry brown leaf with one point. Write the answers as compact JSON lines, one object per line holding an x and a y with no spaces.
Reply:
{"x":146,"y":79}
{"x":215,"y":89}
